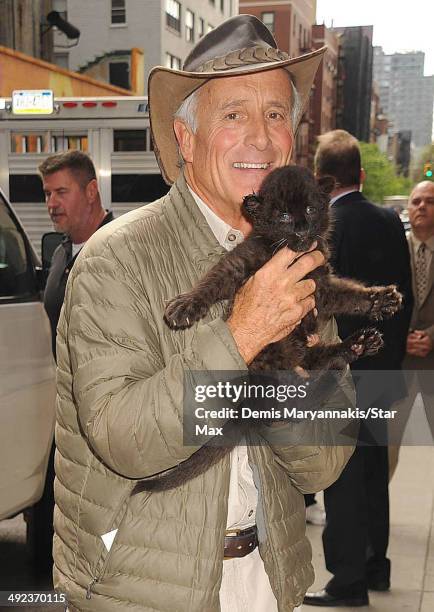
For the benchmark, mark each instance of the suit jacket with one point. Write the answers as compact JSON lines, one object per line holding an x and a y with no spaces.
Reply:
{"x":423,"y":316}
{"x":368,"y":244}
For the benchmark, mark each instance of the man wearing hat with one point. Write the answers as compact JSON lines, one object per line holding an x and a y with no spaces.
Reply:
{"x":233,"y":538}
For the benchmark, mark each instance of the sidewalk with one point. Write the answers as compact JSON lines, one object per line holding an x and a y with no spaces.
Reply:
{"x":411,"y":547}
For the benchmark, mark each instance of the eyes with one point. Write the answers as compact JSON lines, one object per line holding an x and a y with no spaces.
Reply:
{"x":287,"y":218}
{"x":272,"y":115}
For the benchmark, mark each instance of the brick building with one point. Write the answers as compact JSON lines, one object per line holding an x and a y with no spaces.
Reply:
{"x":324,"y":98}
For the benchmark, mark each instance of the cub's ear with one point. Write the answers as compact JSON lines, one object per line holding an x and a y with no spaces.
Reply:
{"x":251,"y":203}
{"x":326,"y":184}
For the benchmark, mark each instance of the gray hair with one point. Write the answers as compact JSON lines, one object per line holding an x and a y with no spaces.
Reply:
{"x":187,"y":111}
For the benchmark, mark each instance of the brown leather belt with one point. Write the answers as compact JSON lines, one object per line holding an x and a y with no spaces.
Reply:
{"x":240,"y":542}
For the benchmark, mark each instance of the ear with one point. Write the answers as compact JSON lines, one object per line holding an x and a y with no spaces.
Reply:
{"x":251,"y":203}
{"x":185,"y":138}
{"x":92,"y":190}
{"x":326,"y":184}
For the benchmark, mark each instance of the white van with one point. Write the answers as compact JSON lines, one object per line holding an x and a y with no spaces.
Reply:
{"x":27,"y":378}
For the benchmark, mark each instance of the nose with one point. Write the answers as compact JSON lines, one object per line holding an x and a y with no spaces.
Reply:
{"x":257,"y":134}
{"x":50,"y":200}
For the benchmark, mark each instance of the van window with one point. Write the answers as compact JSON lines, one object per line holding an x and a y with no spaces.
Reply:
{"x":138,"y":187}
{"x":16,"y":274}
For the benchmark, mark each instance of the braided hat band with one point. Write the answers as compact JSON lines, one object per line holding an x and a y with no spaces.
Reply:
{"x":243,"y":57}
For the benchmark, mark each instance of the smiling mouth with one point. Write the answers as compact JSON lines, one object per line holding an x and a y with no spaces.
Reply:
{"x":251,"y":166}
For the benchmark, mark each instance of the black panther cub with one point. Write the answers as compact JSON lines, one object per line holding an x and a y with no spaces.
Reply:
{"x":291,"y":210}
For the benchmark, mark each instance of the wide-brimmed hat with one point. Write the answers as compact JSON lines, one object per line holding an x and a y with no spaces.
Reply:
{"x":240,"y":45}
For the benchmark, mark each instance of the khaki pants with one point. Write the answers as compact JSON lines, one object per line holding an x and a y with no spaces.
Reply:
{"x":245,"y":586}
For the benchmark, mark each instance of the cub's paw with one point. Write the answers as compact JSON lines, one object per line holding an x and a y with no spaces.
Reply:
{"x":385,"y":302}
{"x":364,"y":343}
{"x":183,"y":311}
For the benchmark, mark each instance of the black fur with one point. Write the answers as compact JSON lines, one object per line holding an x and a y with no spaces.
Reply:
{"x":290,"y":210}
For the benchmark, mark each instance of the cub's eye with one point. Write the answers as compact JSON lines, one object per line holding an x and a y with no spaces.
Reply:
{"x":310,"y":210}
{"x":285,"y":218}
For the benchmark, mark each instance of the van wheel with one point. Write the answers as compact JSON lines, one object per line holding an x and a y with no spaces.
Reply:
{"x":39,"y":521}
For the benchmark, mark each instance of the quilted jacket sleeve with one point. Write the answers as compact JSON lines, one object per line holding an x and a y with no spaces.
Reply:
{"x":129,"y":402}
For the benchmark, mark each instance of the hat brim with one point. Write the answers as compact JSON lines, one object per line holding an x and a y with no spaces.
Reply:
{"x":168,"y":88}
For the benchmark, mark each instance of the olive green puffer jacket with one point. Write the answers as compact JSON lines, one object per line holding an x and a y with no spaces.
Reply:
{"x":119,"y":418}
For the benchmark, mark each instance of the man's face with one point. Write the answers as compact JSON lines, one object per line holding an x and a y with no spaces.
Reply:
{"x":68,"y":203}
{"x":421,"y":207}
{"x":244,"y":132}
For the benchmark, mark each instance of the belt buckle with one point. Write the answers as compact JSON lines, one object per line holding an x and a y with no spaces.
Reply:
{"x":234,"y":532}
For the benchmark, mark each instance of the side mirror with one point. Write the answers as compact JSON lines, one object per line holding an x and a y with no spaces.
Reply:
{"x":49,"y":243}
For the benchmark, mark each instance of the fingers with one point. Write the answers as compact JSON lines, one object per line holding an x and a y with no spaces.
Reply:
{"x":307,"y":305}
{"x":305,"y":264}
{"x":299,"y":310}
{"x":304,"y":289}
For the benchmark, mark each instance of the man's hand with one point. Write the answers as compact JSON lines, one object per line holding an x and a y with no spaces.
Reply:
{"x":419,"y":344}
{"x":273,"y":301}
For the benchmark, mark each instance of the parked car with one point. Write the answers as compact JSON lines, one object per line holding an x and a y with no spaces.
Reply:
{"x":27,"y":387}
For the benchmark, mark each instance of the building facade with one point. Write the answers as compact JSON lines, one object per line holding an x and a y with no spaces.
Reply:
{"x":355,"y":80}
{"x":290,"y":21}
{"x":166,"y":30}
{"x":406,"y":95}
{"x":324,"y":101}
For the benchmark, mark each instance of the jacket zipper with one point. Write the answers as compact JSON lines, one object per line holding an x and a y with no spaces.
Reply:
{"x":89,"y":588}
{"x":96,"y":578}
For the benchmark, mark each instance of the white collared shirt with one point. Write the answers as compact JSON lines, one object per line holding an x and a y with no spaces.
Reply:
{"x":341,"y":195}
{"x":243,"y":495}
{"x":76,"y":248}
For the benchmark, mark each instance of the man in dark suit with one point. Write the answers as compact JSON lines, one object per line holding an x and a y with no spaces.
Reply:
{"x":368,"y":244}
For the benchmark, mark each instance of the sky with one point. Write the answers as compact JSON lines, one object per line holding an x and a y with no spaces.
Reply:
{"x":399,"y":25}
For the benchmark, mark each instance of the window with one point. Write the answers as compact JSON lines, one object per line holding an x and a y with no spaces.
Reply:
{"x":294,"y":24}
{"x":201,"y":27}
{"x":268,"y":20}
{"x":173,"y":62}
{"x":119,"y":14}
{"x":25,"y":188}
{"x":189,"y":26}
{"x":173,"y":14}
{"x":137,"y":187}
{"x":16,"y":274}
{"x":68,"y":142}
{"x":119,"y":74}
{"x":131,"y":140}
{"x":22,"y":142}
{"x":222,"y":6}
